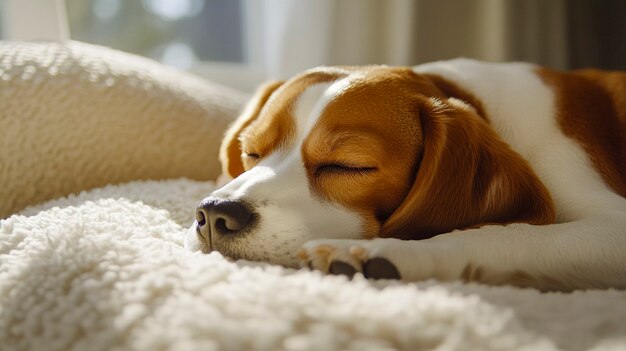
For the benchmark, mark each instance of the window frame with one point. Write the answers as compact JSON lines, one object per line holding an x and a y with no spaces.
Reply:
{"x":245,"y":76}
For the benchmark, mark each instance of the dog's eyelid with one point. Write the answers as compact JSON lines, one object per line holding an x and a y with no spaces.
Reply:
{"x":344,"y":168}
{"x":251,"y":155}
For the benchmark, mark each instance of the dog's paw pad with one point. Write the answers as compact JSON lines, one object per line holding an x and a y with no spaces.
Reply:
{"x":347,"y":257}
{"x":342,"y":268}
{"x":380,"y":268}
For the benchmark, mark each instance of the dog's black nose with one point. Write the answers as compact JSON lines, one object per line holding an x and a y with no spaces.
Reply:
{"x":222,"y":217}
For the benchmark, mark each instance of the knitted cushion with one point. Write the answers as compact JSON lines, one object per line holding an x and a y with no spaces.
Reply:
{"x":75,"y":116}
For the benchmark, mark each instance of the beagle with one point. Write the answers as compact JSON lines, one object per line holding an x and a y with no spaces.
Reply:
{"x":495,"y":173}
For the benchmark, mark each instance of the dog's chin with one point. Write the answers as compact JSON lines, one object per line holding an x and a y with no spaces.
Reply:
{"x":288,"y":262}
{"x":242,"y":250}
{"x":194,"y":242}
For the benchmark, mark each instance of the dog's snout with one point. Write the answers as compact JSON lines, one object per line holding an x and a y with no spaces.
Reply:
{"x":222,"y":217}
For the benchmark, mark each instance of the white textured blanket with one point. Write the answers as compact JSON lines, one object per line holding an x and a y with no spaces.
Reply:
{"x":106,"y":270}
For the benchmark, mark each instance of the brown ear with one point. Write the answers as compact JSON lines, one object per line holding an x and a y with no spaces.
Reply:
{"x":467,"y":177}
{"x":230,"y":150}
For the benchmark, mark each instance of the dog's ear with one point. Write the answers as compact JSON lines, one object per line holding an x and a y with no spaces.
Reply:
{"x":230,"y":150}
{"x":467,"y":177}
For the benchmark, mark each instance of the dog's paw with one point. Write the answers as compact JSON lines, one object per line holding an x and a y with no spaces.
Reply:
{"x":347,"y":257}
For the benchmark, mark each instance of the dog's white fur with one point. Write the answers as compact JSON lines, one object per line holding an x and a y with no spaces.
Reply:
{"x":585,"y":249}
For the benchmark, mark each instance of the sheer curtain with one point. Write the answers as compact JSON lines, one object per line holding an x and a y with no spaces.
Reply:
{"x":307,"y":33}
{"x":557,"y":33}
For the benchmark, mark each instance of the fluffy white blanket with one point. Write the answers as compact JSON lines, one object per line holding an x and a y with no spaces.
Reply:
{"x":106,"y":270}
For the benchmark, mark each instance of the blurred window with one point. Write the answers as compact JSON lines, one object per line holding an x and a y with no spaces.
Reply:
{"x":176,"y":32}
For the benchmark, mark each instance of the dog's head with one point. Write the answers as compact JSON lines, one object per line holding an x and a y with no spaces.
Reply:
{"x":360,"y":153}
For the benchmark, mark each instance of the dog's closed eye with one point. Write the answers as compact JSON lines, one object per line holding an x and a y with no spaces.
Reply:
{"x":251,"y":155}
{"x":250,"y":159}
{"x":340,"y":168}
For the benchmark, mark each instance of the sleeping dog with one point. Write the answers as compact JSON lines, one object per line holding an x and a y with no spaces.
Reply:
{"x":495,"y":173}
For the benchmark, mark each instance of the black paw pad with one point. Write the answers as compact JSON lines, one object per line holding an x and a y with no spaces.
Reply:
{"x":341,"y":268}
{"x":380,"y":268}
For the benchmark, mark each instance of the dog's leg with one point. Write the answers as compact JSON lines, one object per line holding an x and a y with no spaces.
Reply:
{"x":587,"y":253}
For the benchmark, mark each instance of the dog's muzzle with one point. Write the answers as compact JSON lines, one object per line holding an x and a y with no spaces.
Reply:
{"x":217,"y":217}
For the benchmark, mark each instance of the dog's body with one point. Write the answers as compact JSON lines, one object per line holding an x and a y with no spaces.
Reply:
{"x":511,"y":173}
